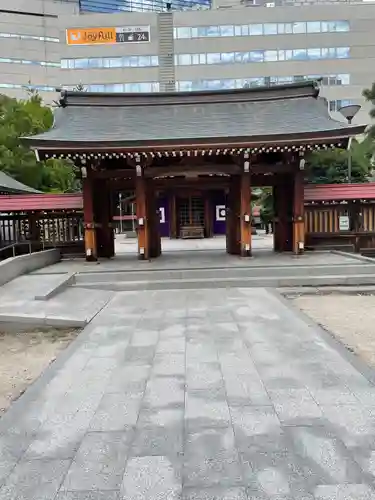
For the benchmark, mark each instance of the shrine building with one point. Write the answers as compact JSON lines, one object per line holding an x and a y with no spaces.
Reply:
{"x":191,"y":159}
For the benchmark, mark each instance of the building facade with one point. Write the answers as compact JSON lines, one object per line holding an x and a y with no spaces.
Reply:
{"x":229,"y":46}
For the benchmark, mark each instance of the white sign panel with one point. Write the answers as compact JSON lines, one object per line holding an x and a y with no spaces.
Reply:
{"x":220,"y":213}
{"x":162,"y":215}
{"x":344,"y":223}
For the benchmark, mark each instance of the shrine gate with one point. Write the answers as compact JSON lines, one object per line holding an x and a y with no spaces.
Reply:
{"x":182,"y":148}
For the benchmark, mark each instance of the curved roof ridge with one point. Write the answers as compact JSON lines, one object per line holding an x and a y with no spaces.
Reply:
{"x":308,"y":89}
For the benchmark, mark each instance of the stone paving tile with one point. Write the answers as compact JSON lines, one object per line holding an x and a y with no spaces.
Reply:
{"x":100,"y":462}
{"x":34,"y":480}
{"x":88,"y":495}
{"x":344,"y":492}
{"x":211,"y":458}
{"x":217,"y":493}
{"x":117,"y":411}
{"x":195,"y":395}
{"x":151,"y":478}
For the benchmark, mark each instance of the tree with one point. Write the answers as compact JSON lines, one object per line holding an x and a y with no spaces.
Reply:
{"x":21,"y":118}
{"x":369,"y":95}
{"x":331,"y":166}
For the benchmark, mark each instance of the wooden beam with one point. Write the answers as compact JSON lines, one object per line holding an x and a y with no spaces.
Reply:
{"x":245,"y":214}
{"x":114,"y":174}
{"x":298,"y":214}
{"x":91,"y":250}
{"x":142,"y":221}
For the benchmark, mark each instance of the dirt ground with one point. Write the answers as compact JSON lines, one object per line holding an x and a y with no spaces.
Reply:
{"x":24,"y":356}
{"x":351,"y":318}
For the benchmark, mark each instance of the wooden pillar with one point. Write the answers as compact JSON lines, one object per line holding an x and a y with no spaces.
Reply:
{"x":207,"y":215}
{"x":298,"y":214}
{"x":141,"y":209}
{"x":153,"y":219}
{"x":103,"y":212}
{"x":245,"y":211}
{"x":89,"y":218}
{"x":232,"y":216}
{"x":283,"y":198}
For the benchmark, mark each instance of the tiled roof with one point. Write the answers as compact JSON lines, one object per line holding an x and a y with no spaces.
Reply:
{"x":10,"y":185}
{"x":40,"y":202}
{"x":338,"y":192}
{"x":144,"y":119}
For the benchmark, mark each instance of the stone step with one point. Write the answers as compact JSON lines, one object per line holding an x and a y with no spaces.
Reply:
{"x":231,"y":273}
{"x":240,"y":282}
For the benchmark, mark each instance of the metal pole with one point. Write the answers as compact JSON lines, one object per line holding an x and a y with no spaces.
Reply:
{"x":120,"y":198}
{"x":350,"y":157}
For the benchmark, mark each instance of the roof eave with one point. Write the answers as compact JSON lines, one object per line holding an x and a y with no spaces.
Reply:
{"x":340,"y":134}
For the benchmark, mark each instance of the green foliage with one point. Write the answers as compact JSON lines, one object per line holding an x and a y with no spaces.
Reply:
{"x":369,"y":95}
{"x":266,"y":203}
{"x":21,"y":118}
{"x":331,"y":166}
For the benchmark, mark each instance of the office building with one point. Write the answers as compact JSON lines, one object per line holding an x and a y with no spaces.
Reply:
{"x":228,"y":46}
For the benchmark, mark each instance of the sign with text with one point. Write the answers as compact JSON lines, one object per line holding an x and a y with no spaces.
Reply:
{"x":107,"y":36}
{"x":344,"y":223}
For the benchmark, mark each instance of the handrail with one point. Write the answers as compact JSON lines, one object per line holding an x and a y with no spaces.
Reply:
{"x":14,"y":245}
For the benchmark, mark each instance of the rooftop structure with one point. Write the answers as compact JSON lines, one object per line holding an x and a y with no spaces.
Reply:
{"x":10,"y":185}
{"x":260,"y":119}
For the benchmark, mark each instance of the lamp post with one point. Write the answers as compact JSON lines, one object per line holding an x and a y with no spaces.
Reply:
{"x":349,"y":112}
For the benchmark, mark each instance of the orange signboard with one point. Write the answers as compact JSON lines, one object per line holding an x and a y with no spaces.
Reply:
{"x":111,"y":35}
{"x":90,"y":36}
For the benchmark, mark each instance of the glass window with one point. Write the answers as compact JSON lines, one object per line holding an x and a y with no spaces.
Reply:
{"x":313,"y":27}
{"x":313,"y":54}
{"x":136,"y":61}
{"x":81,"y":63}
{"x":270,"y":29}
{"x":257,"y":56}
{"x":256,"y":29}
{"x":227,"y":57}
{"x":213,"y":58}
{"x":343,"y":79}
{"x":342,"y":52}
{"x":202,"y":59}
{"x":342,"y":26}
{"x":270,"y":55}
{"x":245,"y":31}
{"x":213,"y":31}
{"x":300,"y":54}
{"x":288,"y":27}
{"x":95,"y":62}
{"x":183,"y":32}
{"x":202,"y":31}
{"x":154,"y":61}
{"x":194,"y":33}
{"x":195,"y":59}
{"x":226,"y":30}
{"x":299,"y":27}
{"x":184,"y":59}
{"x":64,"y":63}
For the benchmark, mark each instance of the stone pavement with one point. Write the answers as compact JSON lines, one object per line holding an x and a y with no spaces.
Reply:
{"x":225,"y":394}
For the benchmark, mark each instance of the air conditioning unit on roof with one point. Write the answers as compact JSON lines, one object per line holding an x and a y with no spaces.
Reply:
{"x":270,"y":4}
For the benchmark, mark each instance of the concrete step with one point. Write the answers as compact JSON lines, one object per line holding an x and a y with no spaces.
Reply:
{"x":232,"y":273}
{"x":239,"y":282}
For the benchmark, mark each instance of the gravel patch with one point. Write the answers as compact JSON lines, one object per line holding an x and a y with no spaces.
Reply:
{"x":350,"y":318}
{"x":24,"y":356}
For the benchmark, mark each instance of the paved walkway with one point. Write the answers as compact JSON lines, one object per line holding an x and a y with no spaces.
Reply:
{"x":224,"y":394}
